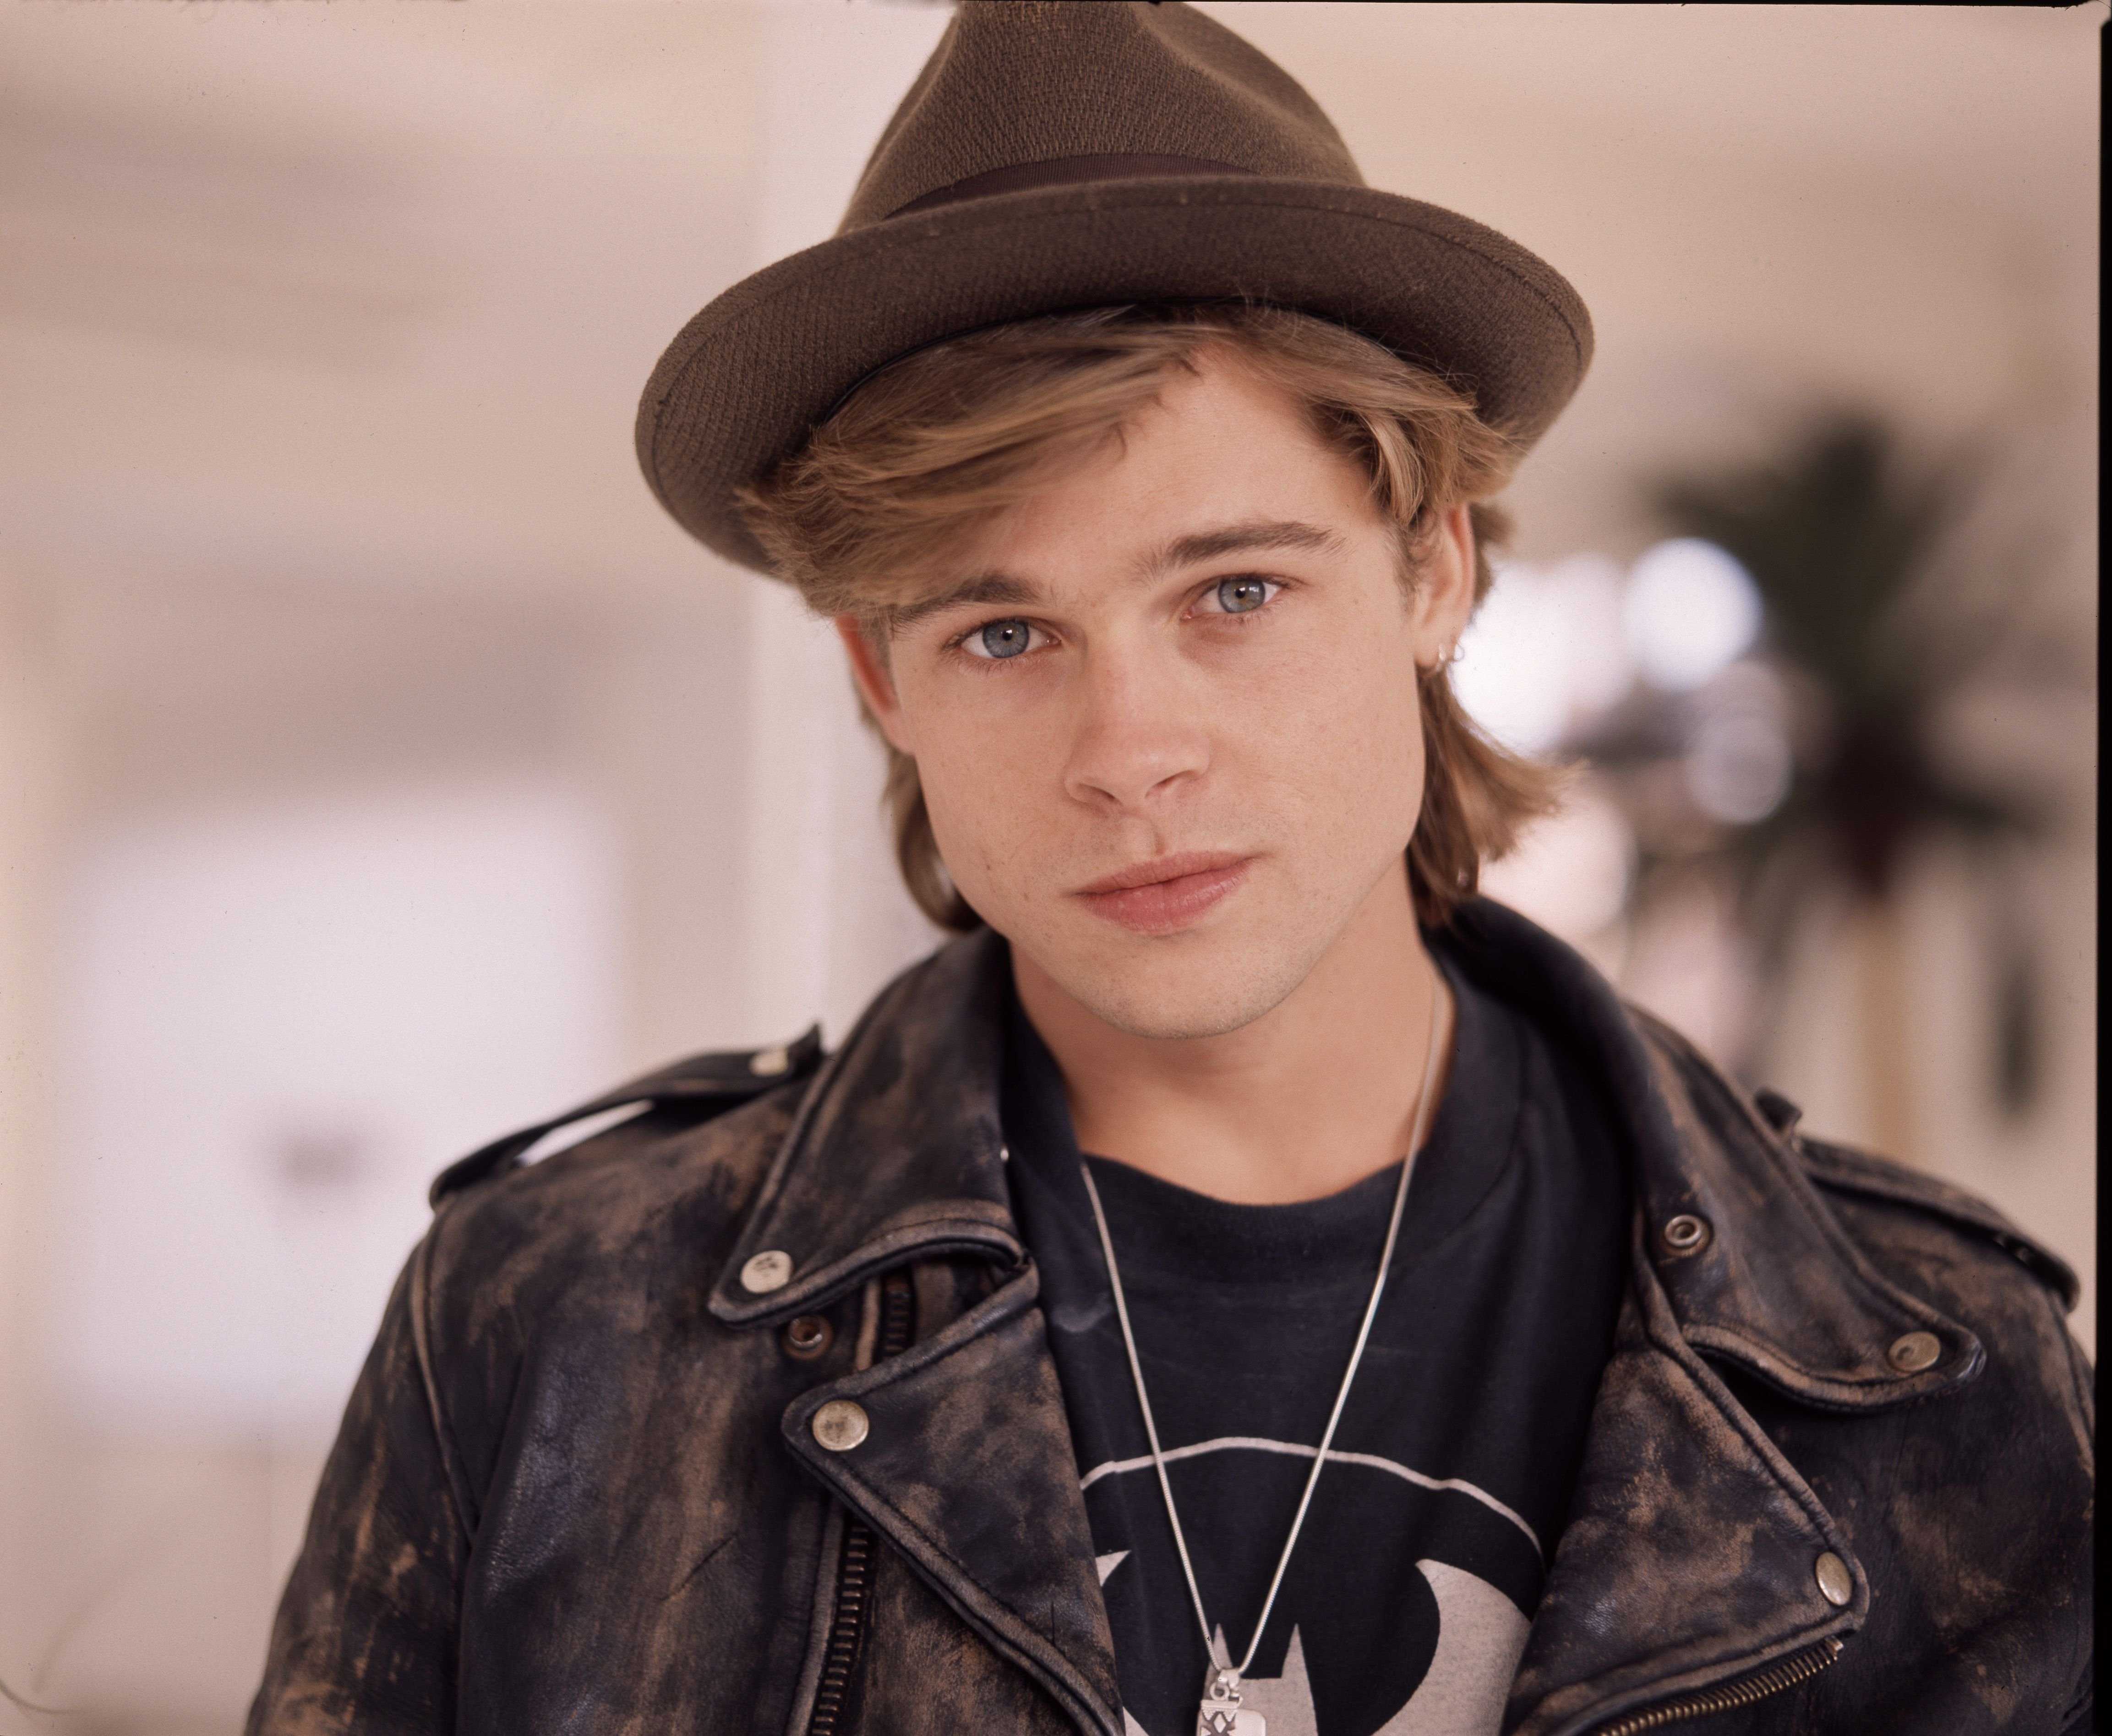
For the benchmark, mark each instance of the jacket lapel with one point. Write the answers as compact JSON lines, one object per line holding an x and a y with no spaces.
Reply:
{"x":965,"y":1467}
{"x":967,"y":1470}
{"x":1691,"y":1555}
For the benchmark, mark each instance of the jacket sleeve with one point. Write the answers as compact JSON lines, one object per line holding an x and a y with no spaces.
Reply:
{"x":365,"y":1635}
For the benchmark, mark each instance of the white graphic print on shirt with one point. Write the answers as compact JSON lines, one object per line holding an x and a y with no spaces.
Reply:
{"x":1480,"y":1631}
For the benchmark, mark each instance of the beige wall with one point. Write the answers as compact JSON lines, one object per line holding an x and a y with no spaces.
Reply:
{"x":320,"y":332}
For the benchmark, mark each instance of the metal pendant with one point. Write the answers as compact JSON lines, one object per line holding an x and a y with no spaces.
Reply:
{"x":1221,"y":1713}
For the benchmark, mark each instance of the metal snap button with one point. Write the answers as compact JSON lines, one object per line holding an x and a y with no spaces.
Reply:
{"x":1684,"y":1234}
{"x":1915,"y":1351}
{"x":808,"y":1336}
{"x":840,"y":1425}
{"x":1835,"y":1583}
{"x":772,"y":1270}
{"x":767,"y":1063}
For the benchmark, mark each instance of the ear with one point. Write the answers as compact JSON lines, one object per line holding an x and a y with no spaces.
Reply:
{"x":1445,"y":600}
{"x":875,"y":685}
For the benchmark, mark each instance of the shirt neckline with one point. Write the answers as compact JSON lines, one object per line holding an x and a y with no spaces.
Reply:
{"x":1162,"y":1229}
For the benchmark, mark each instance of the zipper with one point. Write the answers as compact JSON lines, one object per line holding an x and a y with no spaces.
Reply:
{"x":898,"y":1320}
{"x":1798,"y":1667}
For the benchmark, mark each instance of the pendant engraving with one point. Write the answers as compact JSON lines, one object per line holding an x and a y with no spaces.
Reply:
{"x":1221,"y":1713}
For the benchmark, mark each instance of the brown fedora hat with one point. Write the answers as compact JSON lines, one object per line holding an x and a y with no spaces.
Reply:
{"x":1058,"y":154}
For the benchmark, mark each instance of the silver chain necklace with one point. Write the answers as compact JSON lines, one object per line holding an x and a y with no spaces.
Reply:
{"x":1220,"y":1713}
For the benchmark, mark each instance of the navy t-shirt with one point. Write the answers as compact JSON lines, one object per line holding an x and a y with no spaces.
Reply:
{"x":1405,"y":1606}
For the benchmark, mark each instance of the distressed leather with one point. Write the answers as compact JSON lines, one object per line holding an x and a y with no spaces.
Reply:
{"x":577,"y":1489}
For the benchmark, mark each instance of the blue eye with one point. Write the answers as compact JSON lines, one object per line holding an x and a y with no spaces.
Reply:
{"x":1241,"y":596}
{"x":1005,"y":638}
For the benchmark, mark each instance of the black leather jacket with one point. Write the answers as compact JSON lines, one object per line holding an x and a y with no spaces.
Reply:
{"x":579,"y":1489}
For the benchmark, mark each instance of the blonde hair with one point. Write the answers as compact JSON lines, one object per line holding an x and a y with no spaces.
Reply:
{"x":941,"y":442}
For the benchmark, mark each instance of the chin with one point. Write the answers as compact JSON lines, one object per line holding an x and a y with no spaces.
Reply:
{"x":1170,"y":990}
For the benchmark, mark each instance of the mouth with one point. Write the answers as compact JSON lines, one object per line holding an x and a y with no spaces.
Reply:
{"x":1168,"y":894}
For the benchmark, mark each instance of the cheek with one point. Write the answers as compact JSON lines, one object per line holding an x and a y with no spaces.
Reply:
{"x":1339,"y":732}
{"x":985,"y":779}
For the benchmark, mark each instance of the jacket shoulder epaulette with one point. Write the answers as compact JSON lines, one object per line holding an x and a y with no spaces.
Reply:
{"x":704,"y":1086}
{"x":1845,"y":1169}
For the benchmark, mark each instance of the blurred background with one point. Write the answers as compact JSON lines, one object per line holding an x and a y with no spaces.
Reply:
{"x":379,"y":769}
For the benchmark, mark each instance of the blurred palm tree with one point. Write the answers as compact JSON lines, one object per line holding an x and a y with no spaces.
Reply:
{"x":1877,"y":624}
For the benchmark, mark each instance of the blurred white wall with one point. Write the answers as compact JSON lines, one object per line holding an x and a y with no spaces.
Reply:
{"x":268,"y":1020}
{"x":379,"y":768}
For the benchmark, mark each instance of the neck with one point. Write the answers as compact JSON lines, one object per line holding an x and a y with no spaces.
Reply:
{"x":1314,"y":1096}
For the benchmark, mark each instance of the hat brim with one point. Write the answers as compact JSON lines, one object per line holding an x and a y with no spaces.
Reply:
{"x":749,"y":379}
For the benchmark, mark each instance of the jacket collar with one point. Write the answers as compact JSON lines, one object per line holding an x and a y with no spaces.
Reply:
{"x":898,"y":1152}
{"x":1774,"y":1284}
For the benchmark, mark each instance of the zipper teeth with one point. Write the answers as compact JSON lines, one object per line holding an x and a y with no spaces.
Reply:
{"x":1800,"y":1666}
{"x":854,"y":1564}
{"x":896,"y":1301}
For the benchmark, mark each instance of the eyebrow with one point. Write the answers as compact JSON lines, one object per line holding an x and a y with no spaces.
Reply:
{"x":984,"y":588}
{"x":1210,"y":546}
{"x":1000,"y":588}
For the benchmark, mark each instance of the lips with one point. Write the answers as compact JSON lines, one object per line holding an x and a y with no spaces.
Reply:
{"x":1167,"y":894}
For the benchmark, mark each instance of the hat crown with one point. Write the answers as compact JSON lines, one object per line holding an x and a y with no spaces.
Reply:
{"x":1014,"y":83}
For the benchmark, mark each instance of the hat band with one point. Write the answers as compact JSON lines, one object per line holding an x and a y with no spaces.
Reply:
{"x":1066,"y":172}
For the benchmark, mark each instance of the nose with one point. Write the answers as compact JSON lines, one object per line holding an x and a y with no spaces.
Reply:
{"x":1137,"y":732}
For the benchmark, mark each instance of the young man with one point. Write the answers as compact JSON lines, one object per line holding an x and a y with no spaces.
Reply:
{"x":1428,"y":1344}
